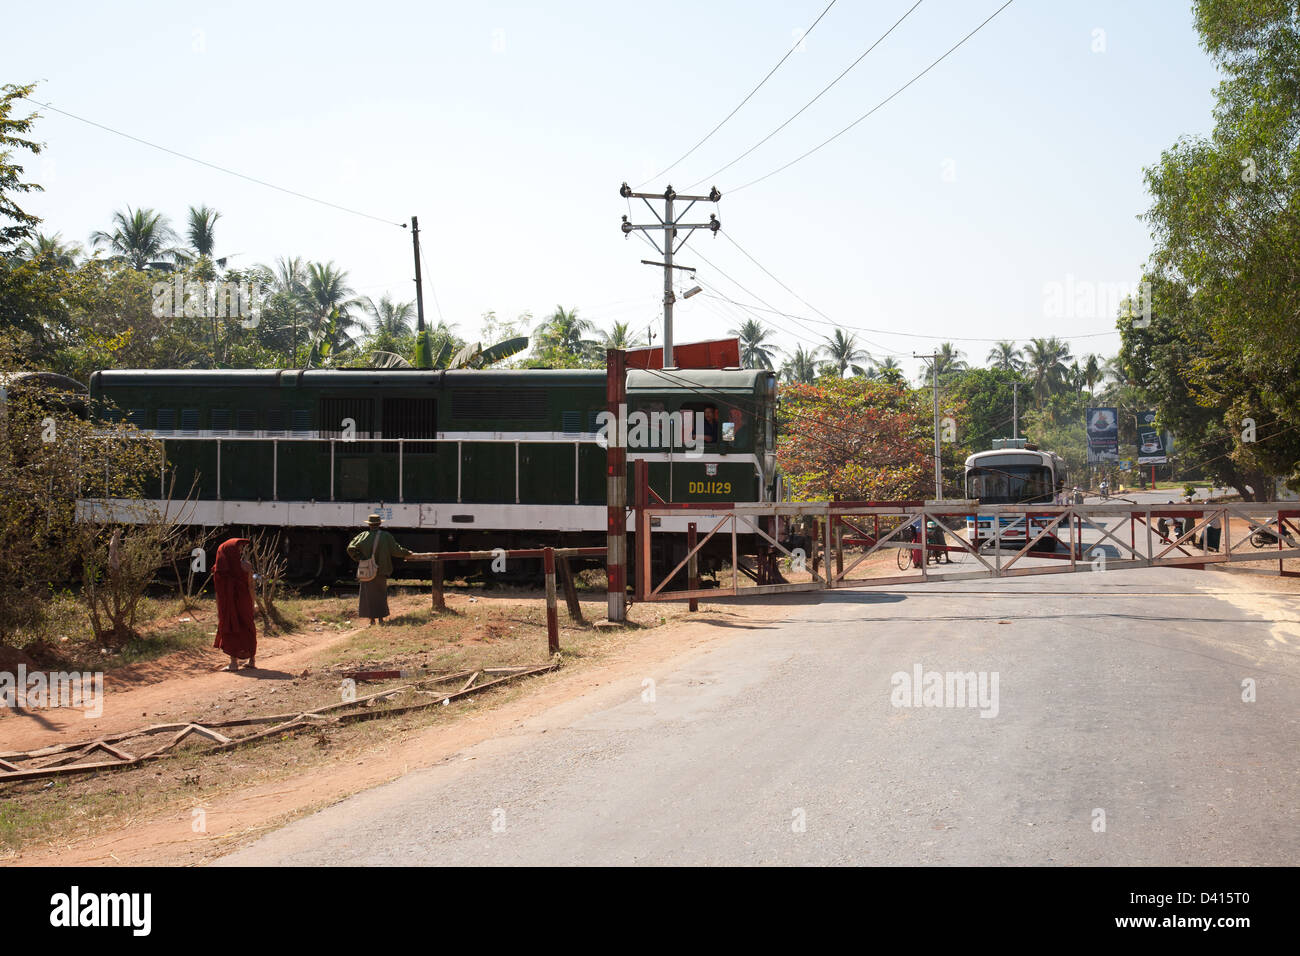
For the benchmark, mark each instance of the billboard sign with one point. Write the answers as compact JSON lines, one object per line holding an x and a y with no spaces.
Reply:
{"x":1151,"y":445}
{"x":1103,"y":435}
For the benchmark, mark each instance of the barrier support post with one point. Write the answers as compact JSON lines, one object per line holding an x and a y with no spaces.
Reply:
{"x":692,"y":569}
{"x":570,"y":590}
{"x":641,"y":478}
{"x":552,"y":613}
{"x":439,"y":599}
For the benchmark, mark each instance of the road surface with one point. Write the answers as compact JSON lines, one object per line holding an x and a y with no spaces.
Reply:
{"x":1118,"y":734}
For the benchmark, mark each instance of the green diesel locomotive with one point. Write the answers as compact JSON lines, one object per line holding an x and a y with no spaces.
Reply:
{"x":452,"y":460}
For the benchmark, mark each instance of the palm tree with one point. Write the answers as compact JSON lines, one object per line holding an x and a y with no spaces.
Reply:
{"x":620,"y":336}
{"x":202,"y":229}
{"x":755,"y":350}
{"x":285,"y":310}
{"x":51,"y":252}
{"x":387,"y":317}
{"x":1045,"y":360}
{"x":1075,"y":378}
{"x":139,"y":237}
{"x":565,"y":333}
{"x":800,"y":367}
{"x":1005,"y":357}
{"x":330,"y":301}
{"x":887,"y":370}
{"x":949,"y":360}
{"x":1092,"y":371}
{"x":844,"y":354}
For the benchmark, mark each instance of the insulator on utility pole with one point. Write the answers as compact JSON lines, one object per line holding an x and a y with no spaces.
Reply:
{"x":669,"y":224}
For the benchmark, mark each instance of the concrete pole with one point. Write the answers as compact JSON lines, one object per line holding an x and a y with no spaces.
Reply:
{"x":938,"y":469}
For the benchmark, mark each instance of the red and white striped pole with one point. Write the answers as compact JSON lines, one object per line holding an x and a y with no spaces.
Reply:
{"x":616,"y":485}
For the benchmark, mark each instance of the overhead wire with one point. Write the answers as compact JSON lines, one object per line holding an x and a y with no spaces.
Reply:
{"x":801,"y":109}
{"x":910,"y":335}
{"x":220,"y":169}
{"x":747,"y":98}
{"x":800,"y":158}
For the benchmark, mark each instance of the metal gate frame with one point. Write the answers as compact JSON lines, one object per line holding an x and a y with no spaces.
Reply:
{"x":1061,"y":525}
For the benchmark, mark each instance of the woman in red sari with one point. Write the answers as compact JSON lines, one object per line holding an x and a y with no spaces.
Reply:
{"x":236,"y":627}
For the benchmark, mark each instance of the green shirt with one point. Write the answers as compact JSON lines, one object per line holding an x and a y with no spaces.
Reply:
{"x":385,"y":548}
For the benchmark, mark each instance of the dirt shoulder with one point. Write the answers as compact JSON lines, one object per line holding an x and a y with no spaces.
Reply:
{"x":192,"y":808}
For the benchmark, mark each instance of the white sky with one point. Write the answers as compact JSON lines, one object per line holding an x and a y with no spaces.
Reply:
{"x":507,"y":128}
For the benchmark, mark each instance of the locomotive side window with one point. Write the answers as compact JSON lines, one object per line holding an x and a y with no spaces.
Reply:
{"x":712,"y":431}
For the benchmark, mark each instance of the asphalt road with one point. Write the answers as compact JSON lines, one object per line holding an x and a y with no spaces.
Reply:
{"x":1118,"y":693}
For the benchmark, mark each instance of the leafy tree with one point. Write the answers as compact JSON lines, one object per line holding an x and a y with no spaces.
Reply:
{"x":1224,"y":219}
{"x":1205,"y":392}
{"x":855,"y":439}
{"x":987,"y":395}
{"x":49,"y":458}
{"x":13,"y":137}
{"x":50,"y":252}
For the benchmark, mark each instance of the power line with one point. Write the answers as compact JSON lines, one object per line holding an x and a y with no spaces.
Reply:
{"x":432,"y":288}
{"x":910,"y":335}
{"x":220,"y":169}
{"x":745,"y":100}
{"x":813,"y":100}
{"x":873,"y":109}
{"x":795,"y":319}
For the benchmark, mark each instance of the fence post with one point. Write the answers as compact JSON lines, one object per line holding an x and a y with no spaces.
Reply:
{"x":552,"y":614}
{"x":692,"y":569}
{"x":439,"y":600}
{"x":570,"y":590}
{"x":839,"y":547}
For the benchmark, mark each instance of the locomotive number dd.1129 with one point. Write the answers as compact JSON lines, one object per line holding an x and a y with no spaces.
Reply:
{"x":709,"y":487}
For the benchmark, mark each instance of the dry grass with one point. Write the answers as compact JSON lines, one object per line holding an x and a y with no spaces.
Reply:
{"x":480,"y":630}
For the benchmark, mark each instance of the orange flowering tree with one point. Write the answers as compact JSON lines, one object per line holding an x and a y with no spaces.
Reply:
{"x":855,"y":439}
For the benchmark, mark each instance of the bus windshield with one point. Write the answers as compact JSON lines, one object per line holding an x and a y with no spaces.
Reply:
{"x":1010,"y":485}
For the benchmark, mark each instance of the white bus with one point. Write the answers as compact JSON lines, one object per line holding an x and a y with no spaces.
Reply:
{"x":1013,"y":472}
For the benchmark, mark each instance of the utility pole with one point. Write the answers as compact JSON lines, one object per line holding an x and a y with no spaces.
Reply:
{"x":1015,"y":409}
{"x":938,"y":460}
{"x":668,"y":224}
{"x":423,"y":353}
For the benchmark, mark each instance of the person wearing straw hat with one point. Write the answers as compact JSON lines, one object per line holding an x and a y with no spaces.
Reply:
{"x":374,"y":550}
